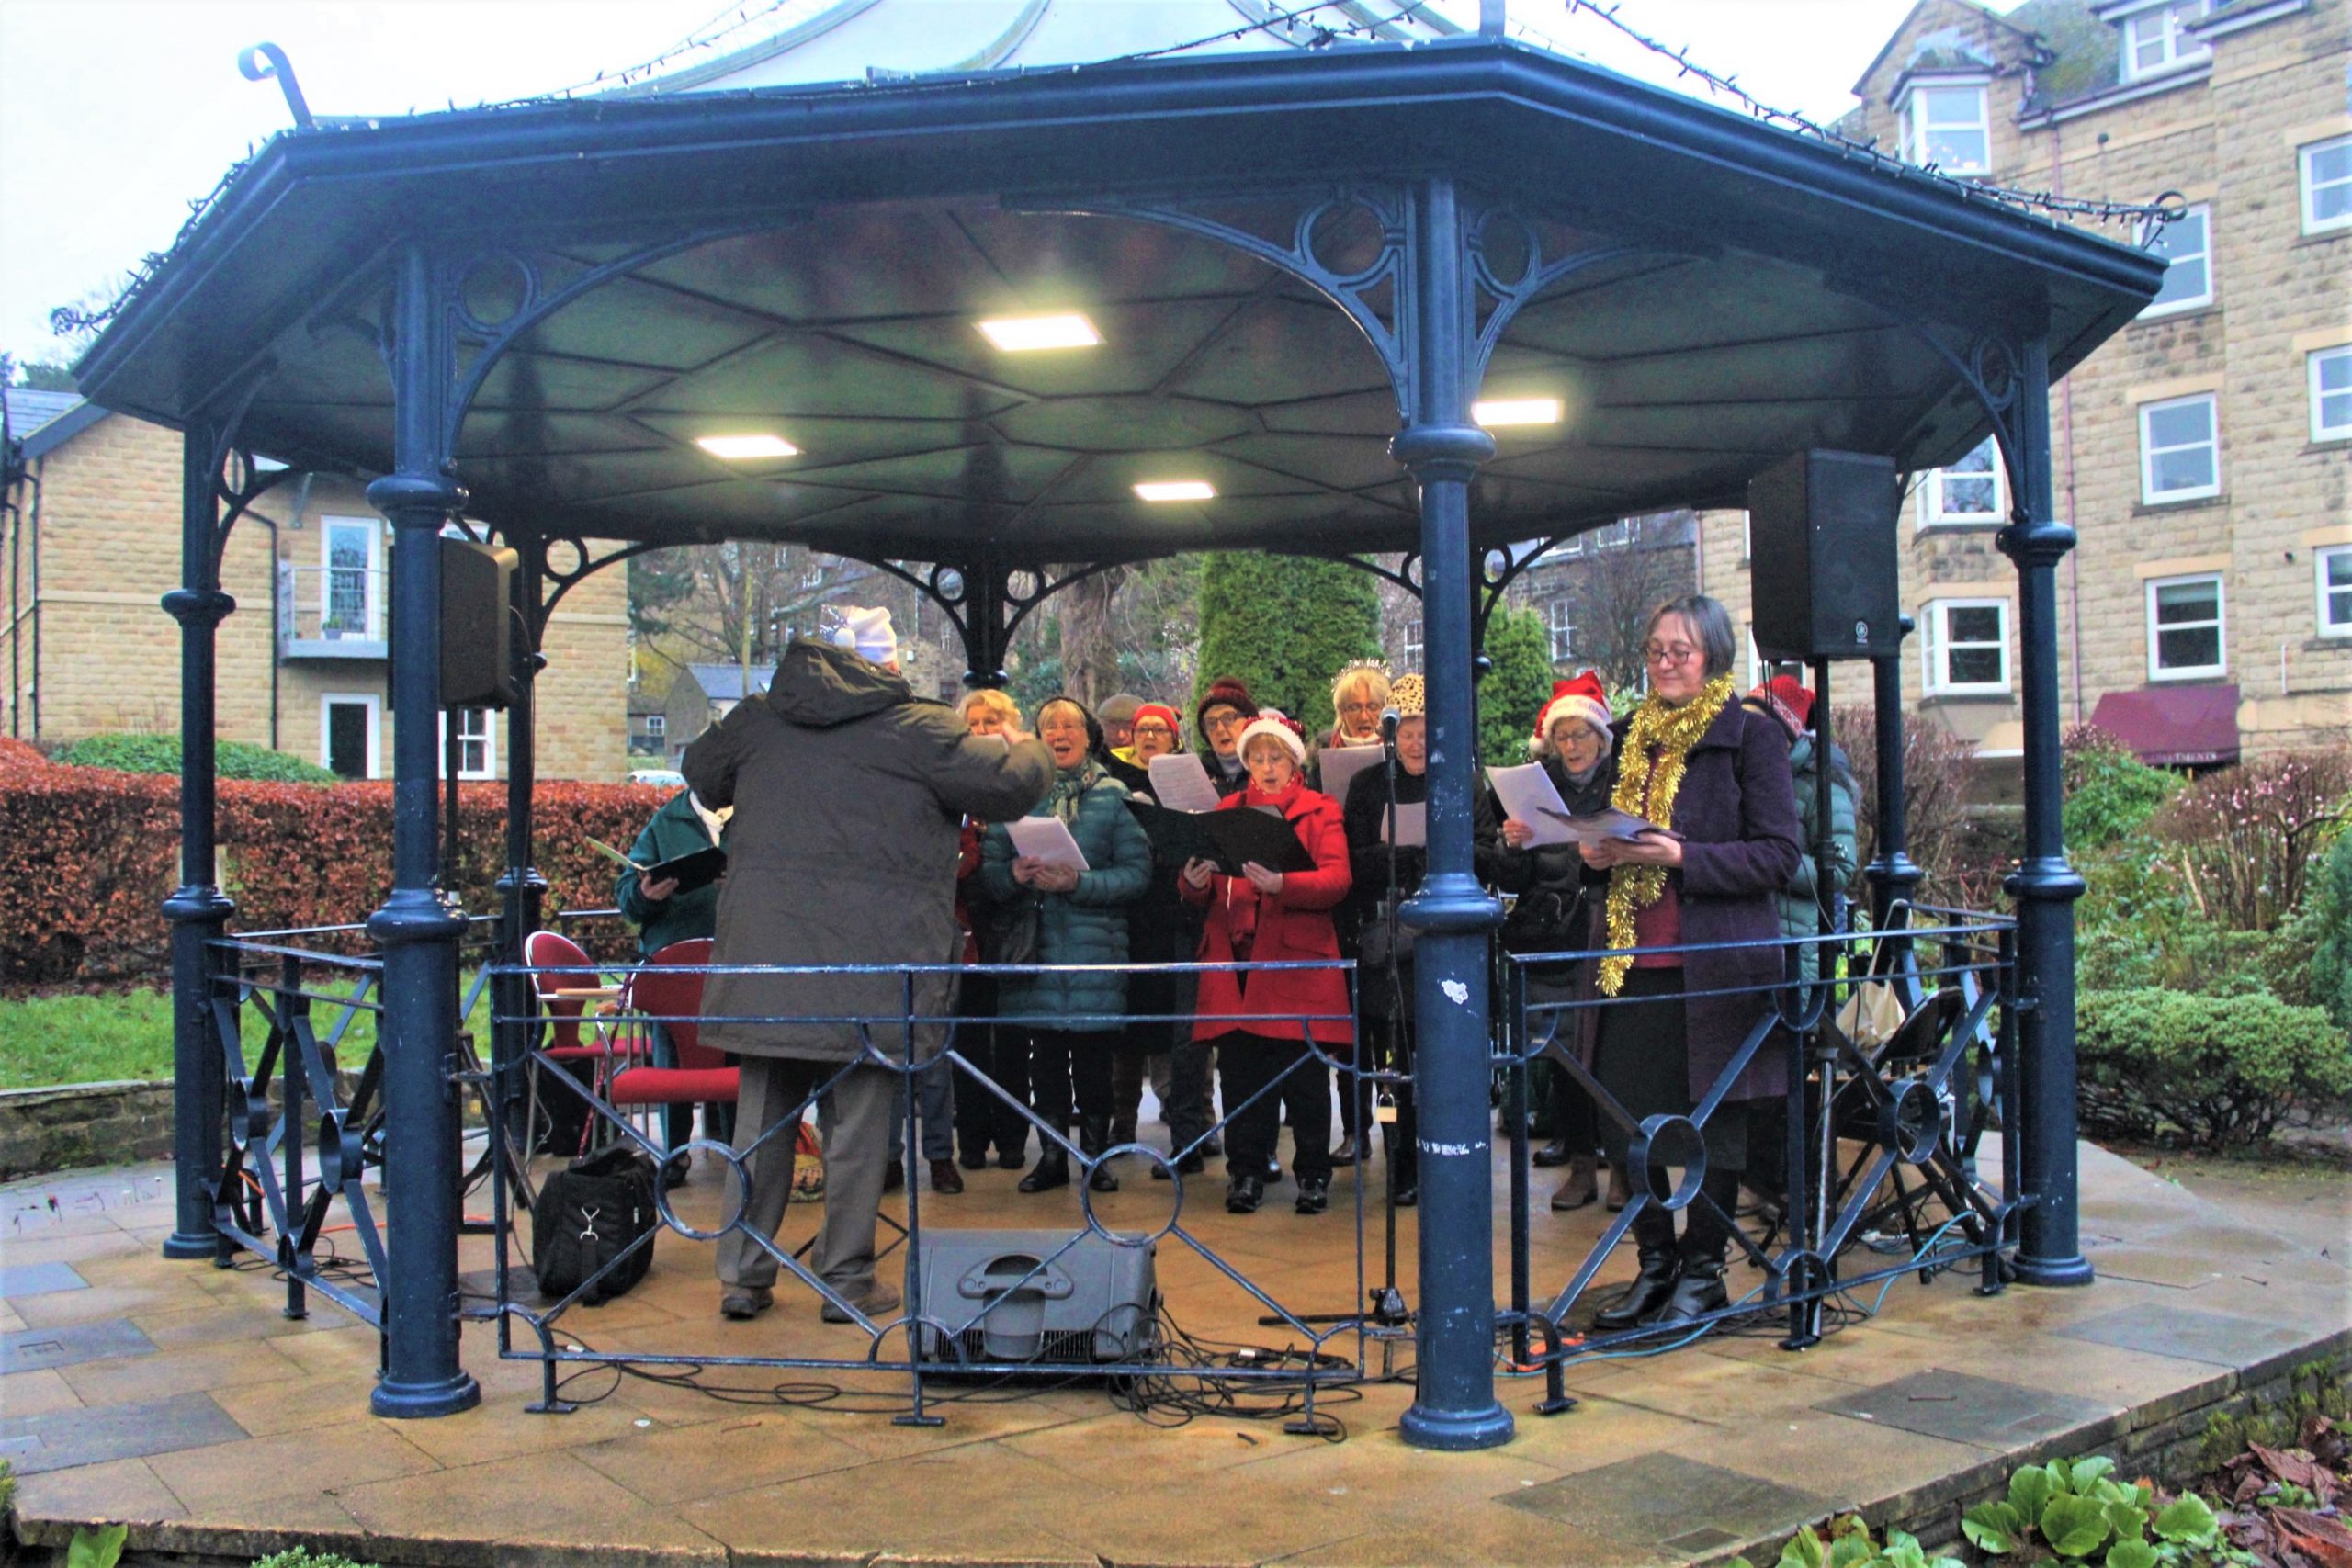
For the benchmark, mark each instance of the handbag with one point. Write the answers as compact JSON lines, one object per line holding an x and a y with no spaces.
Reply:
{"x":1010,"y":933}
{"x":1548,"y":920}
{"x":589,"y":1213}
{"x":1386,"y":939}
{"x":1872,"y":1014}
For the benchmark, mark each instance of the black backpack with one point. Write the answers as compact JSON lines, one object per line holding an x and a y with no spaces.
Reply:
{"x":589,"y":1215}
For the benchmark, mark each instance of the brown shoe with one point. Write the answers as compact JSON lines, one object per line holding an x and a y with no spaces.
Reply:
{"x":945,"y":1177}
{"x":879,"y":1300}
{"x":1619,"y":1192}
{"x":1581,"y":1187}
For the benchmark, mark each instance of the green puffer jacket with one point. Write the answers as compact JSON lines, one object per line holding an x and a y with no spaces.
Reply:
{"x":1086,"y":925}
{"x":1799,"y":912}
{"x":676,"y":830}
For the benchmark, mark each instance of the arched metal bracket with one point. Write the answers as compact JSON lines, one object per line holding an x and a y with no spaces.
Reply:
{"x":986,"y":600}
{"x":1498,"y":570}
{"x":585,"y":564}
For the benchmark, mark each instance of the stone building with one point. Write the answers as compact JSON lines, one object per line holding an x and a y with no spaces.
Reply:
{"x":90,"y":542}
{"x":2204,"y":454}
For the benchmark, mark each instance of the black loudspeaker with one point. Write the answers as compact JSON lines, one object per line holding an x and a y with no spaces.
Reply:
{"x":476,"y":624}
{"x":1822,"y":557}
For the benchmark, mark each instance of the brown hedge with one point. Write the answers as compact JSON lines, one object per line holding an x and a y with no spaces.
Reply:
{"x":87,"y":856}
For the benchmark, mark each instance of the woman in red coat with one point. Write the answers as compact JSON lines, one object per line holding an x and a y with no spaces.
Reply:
{"x":1269,"y":917}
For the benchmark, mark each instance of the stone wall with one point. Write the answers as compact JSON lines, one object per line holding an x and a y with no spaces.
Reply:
{"x":78,"y":1125}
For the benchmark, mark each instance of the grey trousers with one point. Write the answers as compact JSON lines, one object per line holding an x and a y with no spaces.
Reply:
{"x":857,"y":1147}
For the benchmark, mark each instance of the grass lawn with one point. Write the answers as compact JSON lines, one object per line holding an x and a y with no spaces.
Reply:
{"x":101,"y":1039}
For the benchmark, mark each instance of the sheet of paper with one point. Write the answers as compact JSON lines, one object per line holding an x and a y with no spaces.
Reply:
{"x":1337,"y":766}
{"x":1412,"y":825}
{"x":1047,"y":838}
{"x":1182,"y":783}
{"x":1595,"y":827}
{"x":1528,"y":796}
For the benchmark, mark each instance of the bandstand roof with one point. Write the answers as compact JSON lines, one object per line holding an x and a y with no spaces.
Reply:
{"x":829,"y":251}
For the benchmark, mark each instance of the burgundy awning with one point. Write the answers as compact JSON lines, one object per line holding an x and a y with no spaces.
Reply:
{"x":2174,"y":725}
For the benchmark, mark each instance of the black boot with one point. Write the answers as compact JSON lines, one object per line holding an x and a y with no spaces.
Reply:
{"x":1093,"y":1137}
{"x":1053,"y":1168}
{"x":1661,"y":1267}
{"x":1705,"y":1243}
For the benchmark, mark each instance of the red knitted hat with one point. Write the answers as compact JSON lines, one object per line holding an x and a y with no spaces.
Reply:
{"x":1580,"y":697}
{"x":1790,"y":702}
{"x":1164,"y":714}
{"x":1228,"y":690}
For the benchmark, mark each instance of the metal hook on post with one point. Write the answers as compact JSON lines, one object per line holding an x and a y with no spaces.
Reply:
{"x":267,"y":62}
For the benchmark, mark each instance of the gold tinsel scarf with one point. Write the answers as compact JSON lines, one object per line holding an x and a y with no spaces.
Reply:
{"x":1672,"y":732}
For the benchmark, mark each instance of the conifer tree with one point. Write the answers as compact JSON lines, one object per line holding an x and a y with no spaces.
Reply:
{"x":1286,"y":625}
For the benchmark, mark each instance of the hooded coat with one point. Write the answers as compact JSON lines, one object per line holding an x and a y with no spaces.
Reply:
{"x":849,"y":794}
{"x":1800,"y":911}
{"x":676,"y":830}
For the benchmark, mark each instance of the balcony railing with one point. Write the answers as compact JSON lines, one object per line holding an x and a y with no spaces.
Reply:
{"x":329,"y":611}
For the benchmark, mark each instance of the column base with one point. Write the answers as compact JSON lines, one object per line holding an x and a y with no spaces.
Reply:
{"x":2053,"y":1272}
{"x":1451,"y":1431}
{"x":414,"y":1401}
{"x":191,"y":1243}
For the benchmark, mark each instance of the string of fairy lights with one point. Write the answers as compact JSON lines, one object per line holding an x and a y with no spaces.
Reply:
{"x":1320,"y":29}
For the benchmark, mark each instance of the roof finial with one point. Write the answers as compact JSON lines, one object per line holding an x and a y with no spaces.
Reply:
{"x":263,"y":60}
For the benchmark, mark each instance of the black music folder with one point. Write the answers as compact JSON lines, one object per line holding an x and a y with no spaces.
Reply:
{"x":1227,"y":837}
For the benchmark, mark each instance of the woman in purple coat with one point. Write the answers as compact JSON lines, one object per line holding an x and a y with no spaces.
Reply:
{"x":1693,"y":760}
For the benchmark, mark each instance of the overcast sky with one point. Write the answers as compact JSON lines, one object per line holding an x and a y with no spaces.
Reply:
{"x":115,"y":114}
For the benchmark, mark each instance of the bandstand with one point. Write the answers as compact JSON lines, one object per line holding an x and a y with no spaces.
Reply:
{"x":1301,"y":271}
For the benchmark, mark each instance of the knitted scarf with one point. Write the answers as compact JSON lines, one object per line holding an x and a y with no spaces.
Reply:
{"x":1069,"y":786}
{"x":1671,"y":732}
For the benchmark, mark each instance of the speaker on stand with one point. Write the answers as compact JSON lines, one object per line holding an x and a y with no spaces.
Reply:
{"x":1822,"y":570}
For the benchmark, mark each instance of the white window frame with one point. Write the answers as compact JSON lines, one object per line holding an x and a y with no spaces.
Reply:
{"x":2322,"y":559}
{"x":2149,"y":495}
{"x":656,"y":724}
{"x":2313,"y":224}
{"x":2203,"y":214}
{"x":2181,"y":49}
{"x":488,"y":740}
{"x":1936,"y":642}
{"x":2314,"y":364}
{"x":371,"y":582}
{"x":1917,"y":129}
{"x":1933,"y":513}
{"x":1559,"y":619}
{"x":1412,"y":658}
{"x":2221,"y":624}
{"x":375,"y":706}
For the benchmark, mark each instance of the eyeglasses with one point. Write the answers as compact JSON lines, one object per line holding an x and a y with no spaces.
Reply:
{"x":1153,"y":726}
{"x":1360,"y":707}
{"x":1226,"y":720}
{"x":1669,"y":653}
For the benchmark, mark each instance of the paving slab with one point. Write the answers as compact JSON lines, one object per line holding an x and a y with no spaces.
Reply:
{"x":1670,"y":1501}
{"x":38,"y":1349}
{"x":1964,"y":1408}
{"x":2214,"y":1338}
{"x":62,"y":1439}
{"x":38,"y":1279}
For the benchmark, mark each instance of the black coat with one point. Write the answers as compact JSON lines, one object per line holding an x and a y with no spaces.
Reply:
{"x":1365,"y":816}
{"x":1555,"y":889}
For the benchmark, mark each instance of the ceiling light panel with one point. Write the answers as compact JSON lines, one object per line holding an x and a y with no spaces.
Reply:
{"x":1176,"y":490}
{"x":1022,"y":335}
{"x":745,"y":447}
{"x":1495,"y":412}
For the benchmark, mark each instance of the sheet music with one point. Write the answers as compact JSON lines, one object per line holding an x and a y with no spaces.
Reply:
{"x":1412,"y":825}
{"x":1597,"y":827}
{"x":1182,"y":783}
{"x":1047,"y":838}
{"x":1337,"y":766}
{"x":1528,"y":796}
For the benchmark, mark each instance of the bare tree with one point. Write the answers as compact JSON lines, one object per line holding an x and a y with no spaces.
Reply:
{"x":1621,"y":574}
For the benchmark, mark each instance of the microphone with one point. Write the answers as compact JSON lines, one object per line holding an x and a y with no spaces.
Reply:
{"x":1389,"y":719}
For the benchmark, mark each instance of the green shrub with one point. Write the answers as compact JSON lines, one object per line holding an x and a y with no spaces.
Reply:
{"x":1850,"y":1546}
{"x":161,"y":754}
{"x":2212,"y":1071}
{"x":301,"y":1557}
{"x":1517,"y":685}
{"x":2325,"y":920}
{"x":1286,"y":625}
{"x":2109,"y":792}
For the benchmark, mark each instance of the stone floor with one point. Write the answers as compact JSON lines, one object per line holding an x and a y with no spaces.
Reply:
{"x":178,"y":1397}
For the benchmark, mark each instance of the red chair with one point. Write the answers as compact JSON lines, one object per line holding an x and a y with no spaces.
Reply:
{"x":550,"y":950}
{"x":702,"y":1075}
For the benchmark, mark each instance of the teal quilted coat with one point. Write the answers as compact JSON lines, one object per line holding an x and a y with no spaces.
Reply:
{"x":1086,"y":925}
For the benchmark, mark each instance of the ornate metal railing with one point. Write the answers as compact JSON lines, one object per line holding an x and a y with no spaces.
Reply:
{"x":1858,"y":1120}
{"x":933,"y":1337}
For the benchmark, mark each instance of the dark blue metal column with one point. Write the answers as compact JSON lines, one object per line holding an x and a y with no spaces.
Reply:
{"x":2045,"y":886}
{"x":418,"y":926}
{"x":1454,"y":1405}
{"x":1892,"y":875}
{"x":196,"y":909}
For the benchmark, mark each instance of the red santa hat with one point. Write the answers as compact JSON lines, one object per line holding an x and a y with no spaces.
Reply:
{"x":1580,"y":697}
{"x":1279,"y":726}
